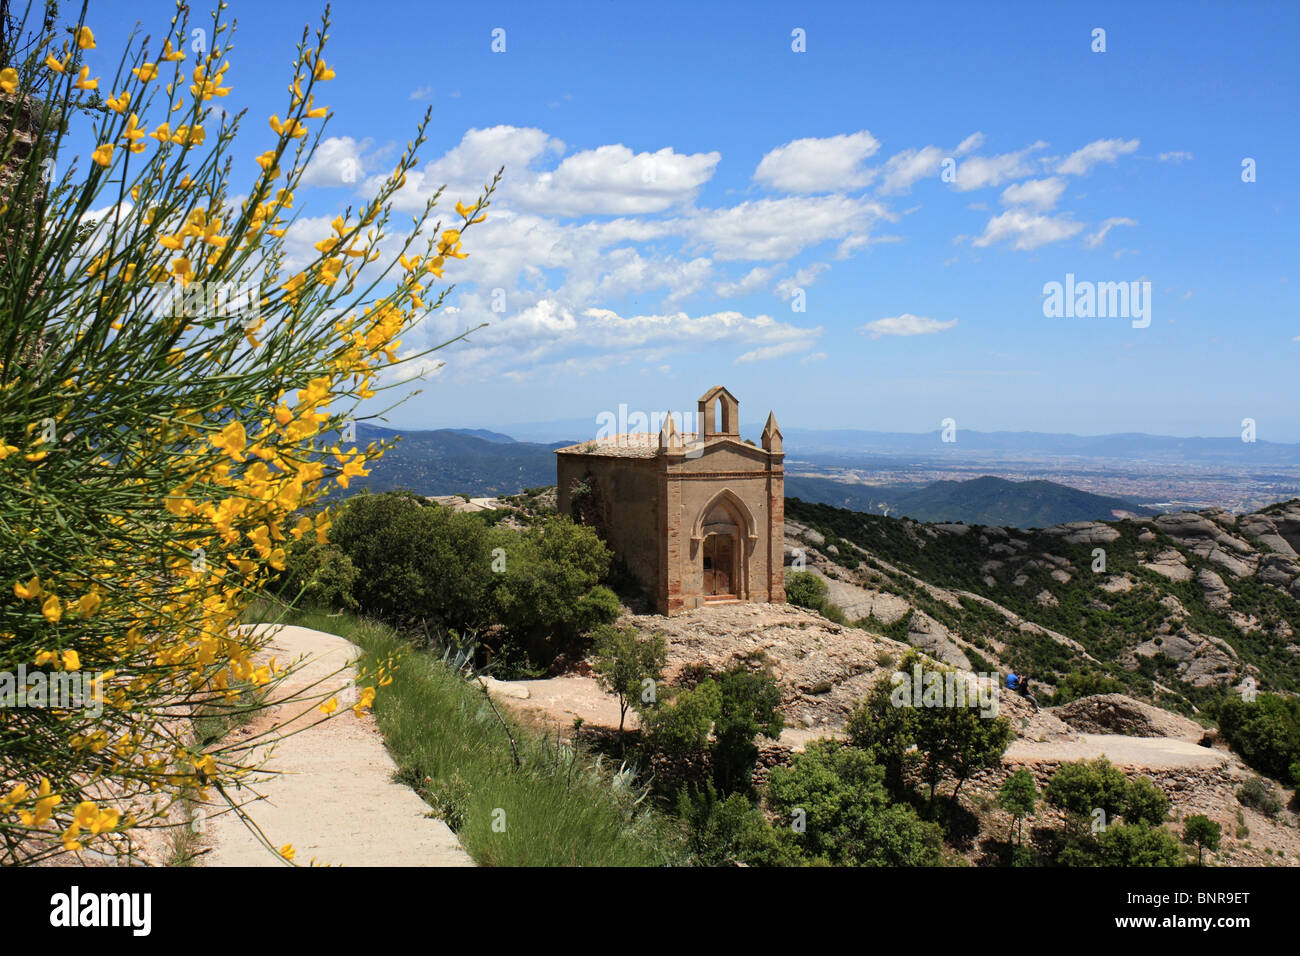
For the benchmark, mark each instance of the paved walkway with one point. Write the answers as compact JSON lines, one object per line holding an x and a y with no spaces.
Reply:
{"x":332,"y":794}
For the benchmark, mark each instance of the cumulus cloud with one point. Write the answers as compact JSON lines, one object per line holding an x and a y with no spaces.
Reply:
{"x":1098,"y":237}
{"x":1039,"y":193}
{"x":537,"y":340}
{"x":755,"y":279}
{"x":1081,"y":161}
{"x":800,"y":280}
{"x":905,"y":168}
{"x":613,"y":180}
{"x":776,"y":229}
{"x":337,"y":162}
{"x":978,"y":172}
{"x":905,"y":324}
{"x":827,"y":164}
{"x":1027,"y":230}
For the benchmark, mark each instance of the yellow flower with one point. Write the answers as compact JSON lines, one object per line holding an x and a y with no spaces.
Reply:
{"x":54,"y":64}
{"x":6,"y":449}
{"x":103,"y":154}
{"x":89,"y":603}
{"x":85,"y":39}
{"x":71,"y":659}
{"x":232,"y":439}
{"x":169,"y":54}
{"x":329,"y":706}
{"x":287,"y":851}
{"x":84,"y":82}
{"x":8,"y":79}
{"x":322,"y":72}
{"x":146,"y":71}
{"x":118,"y":104}
{"x":30,"y":591}
{"x":52,"y":609}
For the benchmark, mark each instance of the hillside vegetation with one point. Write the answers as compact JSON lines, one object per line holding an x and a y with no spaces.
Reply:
{"x":1176,"y":608}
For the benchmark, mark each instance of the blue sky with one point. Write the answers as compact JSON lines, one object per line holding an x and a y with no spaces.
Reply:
{"x":675,"y":170}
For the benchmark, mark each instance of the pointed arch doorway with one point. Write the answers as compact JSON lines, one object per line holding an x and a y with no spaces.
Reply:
{"x":722,"y":535}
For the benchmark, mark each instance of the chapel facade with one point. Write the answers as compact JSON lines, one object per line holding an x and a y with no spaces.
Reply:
{"x":698,"y":517}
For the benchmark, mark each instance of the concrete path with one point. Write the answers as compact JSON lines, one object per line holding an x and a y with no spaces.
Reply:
{"x":332,"y":796}
{"x":1150,"y":753}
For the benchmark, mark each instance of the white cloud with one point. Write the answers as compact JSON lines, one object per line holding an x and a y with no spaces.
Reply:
{"x":813,"y":357}
{"x":1177,"y":156}
{"x":905,"y":324}
{"x":1098,"y":237}
{"x":905,"y":168}
{"x":776,"y":229}
{"x":1027,"y":230}
{"x":828,"y":164}
{"x":1040,"y":193}
{"x":421,"y":93}
{"x":973,"y":141}
{"x":337,"y":162}
{"x":800,"y":280}
{"x":612,"y":180}
{"x":1081,"y":161}
{"x":541,"y":338}
{"x":755,"y":279}
{"x":977,"y":172}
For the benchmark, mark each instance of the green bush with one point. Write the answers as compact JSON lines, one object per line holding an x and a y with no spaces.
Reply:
{"x":1085,"y":683}
{"x":1265,"y":732}
{"x":836,"y":795}
{"x":548,"y":592}
{"x":321,"y":573}
{"x":805,"y":589}
{"x":748,"y":704}
{"x":415,"y":561}
{"x":1259,"y":794}
{"x":727,"y":831}
{"x":1124,"y":844}
{"x":679,"y":723}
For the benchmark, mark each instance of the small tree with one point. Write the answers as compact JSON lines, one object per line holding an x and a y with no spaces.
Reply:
{"x":625,"y":662}
{"x":1203,"y":833}
{"x":1018,"y":797}
{"x":748,"y":708}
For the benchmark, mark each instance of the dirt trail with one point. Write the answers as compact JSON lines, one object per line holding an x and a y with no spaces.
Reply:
{"x":330,"y":792}
{"x":1139,"y":753}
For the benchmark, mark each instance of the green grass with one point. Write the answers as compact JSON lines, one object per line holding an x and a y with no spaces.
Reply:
{"x":557,"y":809}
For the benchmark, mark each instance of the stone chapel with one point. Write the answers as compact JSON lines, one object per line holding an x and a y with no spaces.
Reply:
{"x":698,"y":517}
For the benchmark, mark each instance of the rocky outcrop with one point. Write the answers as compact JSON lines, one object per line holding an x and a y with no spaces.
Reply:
{"x":1084,"y":532}
{"x":1119,"y":714}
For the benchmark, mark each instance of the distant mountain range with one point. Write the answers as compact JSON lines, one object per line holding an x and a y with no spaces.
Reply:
{"x":987,"y":500}
{"x":450,"y":461}
{"x":854,"y":445}
{"x":483,"y":463}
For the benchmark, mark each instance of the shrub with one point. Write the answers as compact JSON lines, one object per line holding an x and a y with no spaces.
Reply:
{"x":1123,"y":844}
{"x":748,"y":702}
{"x":1083,"y":787}
{"x":1265,"y":732}
{"x":1259,"y":794}
{"x":805,"y":589}
{"x":1085,"y":683}
{"x":168,"y":396}
{"x":678,"y":724}
{"x":726,"y":831}
{"x":544,"y":596}
{"x":320,"y":575}
{"x":415,"y":561}
{"x":845,"y":810}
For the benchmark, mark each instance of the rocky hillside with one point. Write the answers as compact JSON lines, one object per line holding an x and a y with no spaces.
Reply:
{"x":1173,"y":608}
